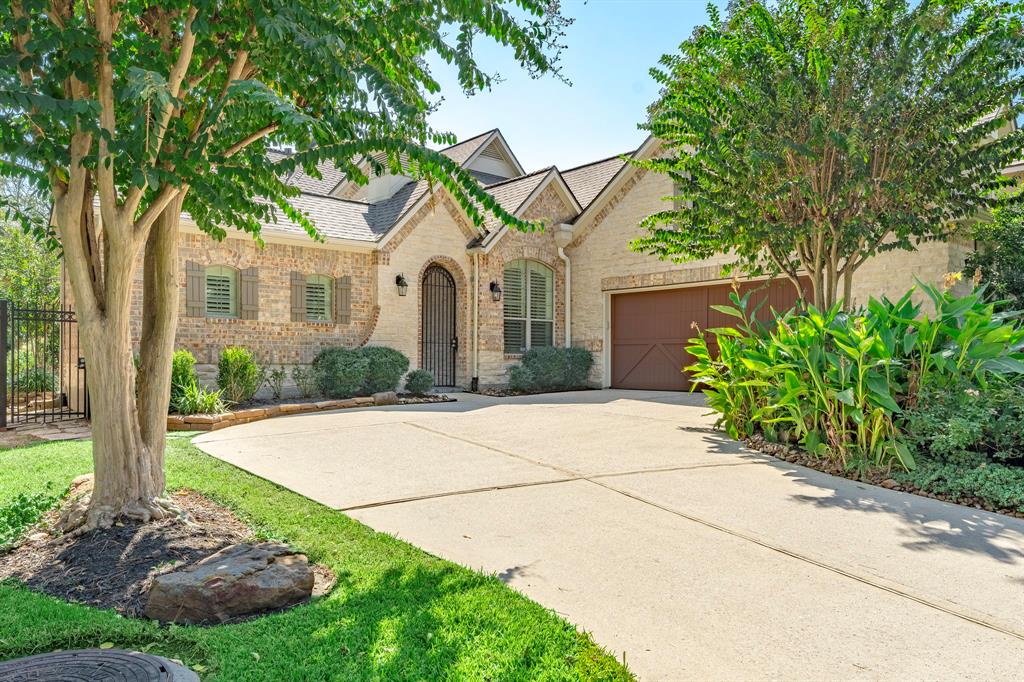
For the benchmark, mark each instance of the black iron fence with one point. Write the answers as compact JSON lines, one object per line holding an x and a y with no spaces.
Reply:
{"x":42,"y":372}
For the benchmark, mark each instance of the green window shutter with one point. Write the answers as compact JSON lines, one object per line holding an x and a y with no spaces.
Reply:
{"x":250,"y":294}
{"x":221,"y":292}
{"x":318,"y":299}
{"x":298,"y":297}
{"x":343,"y":299}
{"x":195,"y":290}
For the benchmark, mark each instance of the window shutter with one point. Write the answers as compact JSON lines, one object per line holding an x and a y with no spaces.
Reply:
{"x":343,"y":299}
{"x":514,"y":297}
{"x":250,"y":294}
{"x":542,"y":281}
{"x":195,"y":290}
{"x":298,"y":297}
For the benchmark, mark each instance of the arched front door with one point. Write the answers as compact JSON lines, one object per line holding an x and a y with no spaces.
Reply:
{"x":440,"y":343}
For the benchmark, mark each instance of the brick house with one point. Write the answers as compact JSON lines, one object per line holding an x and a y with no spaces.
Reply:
{"x":403,"y":266}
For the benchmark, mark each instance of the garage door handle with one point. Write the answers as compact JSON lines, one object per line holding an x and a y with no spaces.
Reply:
{"x":455,"y":343}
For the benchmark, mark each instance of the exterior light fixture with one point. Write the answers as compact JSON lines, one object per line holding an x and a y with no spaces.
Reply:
{"x":495,"y":292}
{"x":403,"y":286}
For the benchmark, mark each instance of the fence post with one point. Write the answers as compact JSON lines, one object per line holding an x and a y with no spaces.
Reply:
{"x":3,"y":365}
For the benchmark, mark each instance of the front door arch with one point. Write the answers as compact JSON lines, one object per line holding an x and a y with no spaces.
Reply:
{"x":439,"y":341}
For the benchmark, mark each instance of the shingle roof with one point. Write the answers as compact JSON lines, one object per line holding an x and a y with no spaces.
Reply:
{"x":335,"y":218}
{"x":386,"y":213}
{"x":332,"y":176}
{"x":461,"y":151}
{"x":510,"y":194}
{"x":587,"y":181}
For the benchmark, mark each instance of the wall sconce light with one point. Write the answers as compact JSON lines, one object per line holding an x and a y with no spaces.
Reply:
{"x":403,"y":286}
{"x":495,"y":292}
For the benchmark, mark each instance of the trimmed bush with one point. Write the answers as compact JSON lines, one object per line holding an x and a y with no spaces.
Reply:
{"x":419,"y":381}
{"x":552,"y":369}
{"x":386,"y":368}
{"x":340,"y":372}
{"x":305,"y":381}
{"x":238,"y":375}
{"x":183,"y":372}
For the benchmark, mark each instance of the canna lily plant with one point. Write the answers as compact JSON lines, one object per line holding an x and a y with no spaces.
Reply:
{"x":837,"y":382}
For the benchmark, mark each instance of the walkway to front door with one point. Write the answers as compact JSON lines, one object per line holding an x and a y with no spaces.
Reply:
{"x":439,"y":340}
{"x":677,"y":548}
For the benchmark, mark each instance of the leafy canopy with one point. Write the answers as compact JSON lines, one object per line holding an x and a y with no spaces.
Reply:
{"x":190,"y":94}
{"x":812,"y":134}
{"x":999,"y":258}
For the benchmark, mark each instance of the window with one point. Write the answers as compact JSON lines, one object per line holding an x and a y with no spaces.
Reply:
{"x":221,"y":291}
{"x":318,"y":298}
{"x":529,"y":305}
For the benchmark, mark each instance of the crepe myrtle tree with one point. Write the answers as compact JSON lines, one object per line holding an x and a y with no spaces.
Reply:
{"x":130,"y":111}
{"x":805,"y":136}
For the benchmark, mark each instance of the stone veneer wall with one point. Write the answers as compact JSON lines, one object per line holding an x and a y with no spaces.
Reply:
{"x":602,"y":262}
{"x":273,"y":337}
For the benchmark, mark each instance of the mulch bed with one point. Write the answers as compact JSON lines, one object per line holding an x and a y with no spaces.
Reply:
{"x":508,"y":393}
{"x":874,"y":476}
{"x":113,"y":568}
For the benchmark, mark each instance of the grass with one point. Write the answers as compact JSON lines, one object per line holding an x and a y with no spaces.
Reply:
{"x":396,"y":613}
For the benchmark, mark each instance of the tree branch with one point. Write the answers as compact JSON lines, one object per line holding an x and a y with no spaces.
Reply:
{"x":243,"y":143}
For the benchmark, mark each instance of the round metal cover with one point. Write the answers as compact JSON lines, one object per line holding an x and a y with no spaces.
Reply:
{"x":95,"y":665}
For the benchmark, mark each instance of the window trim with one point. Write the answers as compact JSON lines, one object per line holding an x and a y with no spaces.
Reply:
{"x":528,"y":319}
{"x":234,"y":304}
{"x":328,"y":285}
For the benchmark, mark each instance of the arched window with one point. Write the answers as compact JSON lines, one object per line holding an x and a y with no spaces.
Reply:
{"x":221,"y":291}
{"x":318,"y":298}
{"x":529,"y":295}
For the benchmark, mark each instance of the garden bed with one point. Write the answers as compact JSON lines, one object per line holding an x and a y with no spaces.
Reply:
{"x":113,"y":568}
{"x":268,"y":410}
{"x":509,"y":393}
{"x":884,"y":478}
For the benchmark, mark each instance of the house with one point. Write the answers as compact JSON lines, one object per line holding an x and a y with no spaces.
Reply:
{"x":403,"y":266}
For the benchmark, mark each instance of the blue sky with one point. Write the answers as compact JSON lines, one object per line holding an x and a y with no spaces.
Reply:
{"x":610,"y":49}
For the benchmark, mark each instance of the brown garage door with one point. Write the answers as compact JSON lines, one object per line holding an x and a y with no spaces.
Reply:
{"x":650,"y":329}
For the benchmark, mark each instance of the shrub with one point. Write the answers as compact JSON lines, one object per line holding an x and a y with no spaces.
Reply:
{"x":838,"y":382}
{"x":386,"y":368}
{"x":195,"y":399}
{"x":183,"y":372}
{"x":340,"y":372}
{"x":964,"y":424}
{"x":995,"y":485}
{"x":35,"y":379}
{"x":419,"y":381}
{"x":274,"y":380}
{"x":550,"y":368}
{"x":305,"y":381}
{"x":521,"y":379}
{"x":238,"y":375}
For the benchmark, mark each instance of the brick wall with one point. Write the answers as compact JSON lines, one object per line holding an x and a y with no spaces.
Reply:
{"x":273,"y":337}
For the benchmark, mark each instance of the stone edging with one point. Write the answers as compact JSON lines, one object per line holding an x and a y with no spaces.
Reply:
{"x":212,"y":422}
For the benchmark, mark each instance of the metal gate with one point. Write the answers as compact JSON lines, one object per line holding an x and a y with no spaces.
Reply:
{"x":439,"y":344}
{"x":42,"y":375}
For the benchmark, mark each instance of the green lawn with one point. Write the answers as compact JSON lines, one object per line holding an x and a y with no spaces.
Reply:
{"x":396,"y":612}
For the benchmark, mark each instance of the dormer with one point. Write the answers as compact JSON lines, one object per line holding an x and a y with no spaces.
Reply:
{"x":493,"y":160}
{"x":379,"y":188}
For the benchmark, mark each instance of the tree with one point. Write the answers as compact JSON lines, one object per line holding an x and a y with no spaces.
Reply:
{"x":999,"y":258}
{"x":29,"y":268}
{"x":807,"y":136}
{"x":130,"y":111}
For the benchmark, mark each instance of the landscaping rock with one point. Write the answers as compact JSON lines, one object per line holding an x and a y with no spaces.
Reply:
{"x":385,"y":398}
{"x":239,"y":580}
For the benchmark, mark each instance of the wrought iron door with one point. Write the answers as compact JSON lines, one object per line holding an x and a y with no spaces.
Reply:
{"x":440,"y":343}
{"x":42,"y":371}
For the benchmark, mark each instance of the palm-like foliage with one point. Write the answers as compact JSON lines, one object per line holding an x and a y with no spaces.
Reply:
{"x":838,"y":382}
{"x":812,"y":135}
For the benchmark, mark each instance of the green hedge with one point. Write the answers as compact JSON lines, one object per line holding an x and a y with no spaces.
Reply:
{"x":344,"y":372}
{"x":419,"y":382}
{"x":238,"y":375}
{"x":550,"y":368}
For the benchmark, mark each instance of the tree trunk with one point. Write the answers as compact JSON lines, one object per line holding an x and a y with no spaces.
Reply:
{"x":127,"y":451}
{"x":159,"y":322}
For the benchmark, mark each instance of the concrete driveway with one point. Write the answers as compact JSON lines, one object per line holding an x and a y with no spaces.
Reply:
{"x":674,"y":546}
